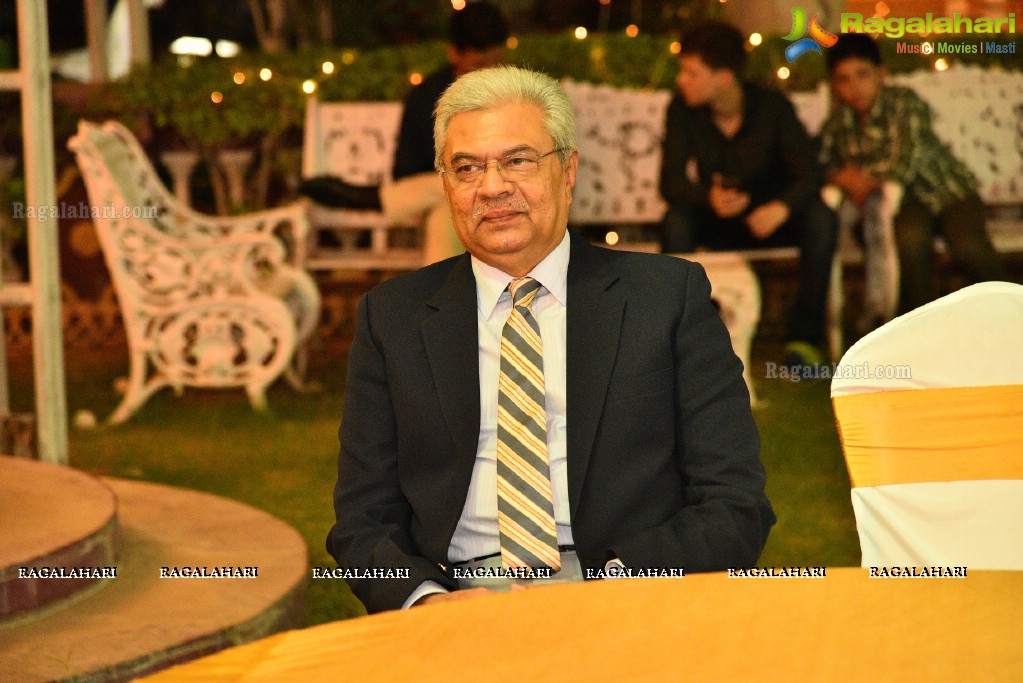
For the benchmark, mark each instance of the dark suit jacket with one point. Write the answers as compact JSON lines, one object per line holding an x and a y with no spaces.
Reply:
{"x":663,"y":454}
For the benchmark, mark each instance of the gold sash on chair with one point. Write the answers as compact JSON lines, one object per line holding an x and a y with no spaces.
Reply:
{"x":932,"y":435}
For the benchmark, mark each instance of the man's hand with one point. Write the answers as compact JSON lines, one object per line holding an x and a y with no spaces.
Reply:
{"x":766,"y":218}
{"x":855,"y":182}
{"x":726,"y":202}
{"x":467,"y":594}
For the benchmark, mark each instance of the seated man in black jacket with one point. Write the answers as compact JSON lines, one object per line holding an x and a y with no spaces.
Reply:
{"x":538,"y":409}
{"x":477,"y":35}
{"x":739,"y":172}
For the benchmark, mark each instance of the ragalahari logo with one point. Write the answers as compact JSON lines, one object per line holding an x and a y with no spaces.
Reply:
{"x":818,"y":36}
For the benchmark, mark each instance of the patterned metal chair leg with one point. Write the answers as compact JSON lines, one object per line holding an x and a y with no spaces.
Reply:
{"x":137,"y":389}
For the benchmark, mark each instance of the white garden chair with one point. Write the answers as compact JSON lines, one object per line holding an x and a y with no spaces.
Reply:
{"x":207,"y":301}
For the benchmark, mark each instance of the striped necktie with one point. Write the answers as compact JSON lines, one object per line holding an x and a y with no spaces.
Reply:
{"x":525,"y":511}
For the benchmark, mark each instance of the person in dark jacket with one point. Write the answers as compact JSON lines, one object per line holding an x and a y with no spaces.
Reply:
{"x":739,"y":172}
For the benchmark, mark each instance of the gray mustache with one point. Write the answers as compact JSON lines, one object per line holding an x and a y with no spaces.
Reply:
{"x":514,"y":205}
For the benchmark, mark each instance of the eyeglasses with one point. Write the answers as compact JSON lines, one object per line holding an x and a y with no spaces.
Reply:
{"x":516,"y":165}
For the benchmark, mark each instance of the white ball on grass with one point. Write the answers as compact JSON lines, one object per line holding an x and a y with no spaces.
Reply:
{"x":85,"y":419}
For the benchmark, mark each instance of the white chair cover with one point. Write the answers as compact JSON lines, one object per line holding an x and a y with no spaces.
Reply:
{"x":933,"y":517}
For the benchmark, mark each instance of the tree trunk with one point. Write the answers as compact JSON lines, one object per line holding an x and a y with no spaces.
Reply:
{"x":217,"y":183}
{"x":260,"y":190}
{"x":269,"y":20}
{"x":325,"y":22}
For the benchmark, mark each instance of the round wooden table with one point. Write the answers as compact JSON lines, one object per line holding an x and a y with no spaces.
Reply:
{"x":843,"y":627}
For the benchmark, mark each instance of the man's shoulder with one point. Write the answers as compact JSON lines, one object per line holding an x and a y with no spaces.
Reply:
{"x":678,"y":107}
{"x":658,"y":285}
{"x":901,"y":104}
{"x":443,"y":77}
{"x":417,"y":285}
{"x":431,"y":88}
{"x":642,"y":267}
{"x":902,"y":95}
{"x":767,"y":98}
{"x":898,"y":91}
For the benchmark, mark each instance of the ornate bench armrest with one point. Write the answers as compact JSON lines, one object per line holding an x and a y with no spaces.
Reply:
{"x":294,"y":215}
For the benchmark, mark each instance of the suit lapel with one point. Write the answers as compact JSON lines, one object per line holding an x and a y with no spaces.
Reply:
{"x":450,"y":336}
{"x":594,"y":314}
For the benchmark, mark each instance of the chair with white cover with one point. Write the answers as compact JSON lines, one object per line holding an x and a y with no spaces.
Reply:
{"x":736,"y":292}
{"x":930,"y":414}
{"x":207,"y":301}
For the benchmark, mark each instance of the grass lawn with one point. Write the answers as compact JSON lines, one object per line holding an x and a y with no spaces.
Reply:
{"x":807,"y":481}
{"x":284,"y":461}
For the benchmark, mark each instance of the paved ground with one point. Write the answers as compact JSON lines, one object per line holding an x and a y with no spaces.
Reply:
{"x":140,"y":622}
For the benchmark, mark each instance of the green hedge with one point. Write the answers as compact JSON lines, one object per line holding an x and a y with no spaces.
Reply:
{"x":180,"y":97}
{"x":179,"y":100}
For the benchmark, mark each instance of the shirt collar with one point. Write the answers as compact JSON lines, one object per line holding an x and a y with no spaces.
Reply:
{"x":551,"y":272}
{"x":875,"y":117}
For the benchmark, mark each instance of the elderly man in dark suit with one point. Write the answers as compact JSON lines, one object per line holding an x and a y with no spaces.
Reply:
{"x":538,"y":407}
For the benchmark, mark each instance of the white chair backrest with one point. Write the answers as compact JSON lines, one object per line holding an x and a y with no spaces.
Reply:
{"x":620,"y":132}
{"x":972,"y":337}
{"x":354,"y":141}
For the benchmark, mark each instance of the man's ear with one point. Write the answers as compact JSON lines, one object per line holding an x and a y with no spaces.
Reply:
{"x":571,"y":167}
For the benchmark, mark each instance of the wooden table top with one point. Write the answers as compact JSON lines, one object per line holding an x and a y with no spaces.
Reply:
{"x":844,"y":626}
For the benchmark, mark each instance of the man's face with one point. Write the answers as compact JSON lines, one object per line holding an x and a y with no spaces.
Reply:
{"x":856,"y":82}
{"x":510,"y":224}
{"x":698,"y":83}
{"x":471,"y":59}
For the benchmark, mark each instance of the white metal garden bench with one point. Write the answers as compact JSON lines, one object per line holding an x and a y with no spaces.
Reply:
{"x":207,"y":301}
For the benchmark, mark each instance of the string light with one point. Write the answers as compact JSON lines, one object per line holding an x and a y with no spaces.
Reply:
{"x":580,"y":32}
{"x":415,"y":78}
{"x":611,"y":238}
{"x":632,"y":30}
{"x":328,"y":67}
{"x":239,"y":77}
{"x":458,"y":5}
{"x":265,"y":74}
{"x":784,"y":73}
{"x":347,"y":57}
{"x":675,"y":47}
{"x":512,"y":42}
{"x":217,"y":97}
{"x":755,"y":39}
{"x":940,"y":65}
{"x":309,"y":87}
{"x":192,"y":45}
{"x":227,"y":48}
